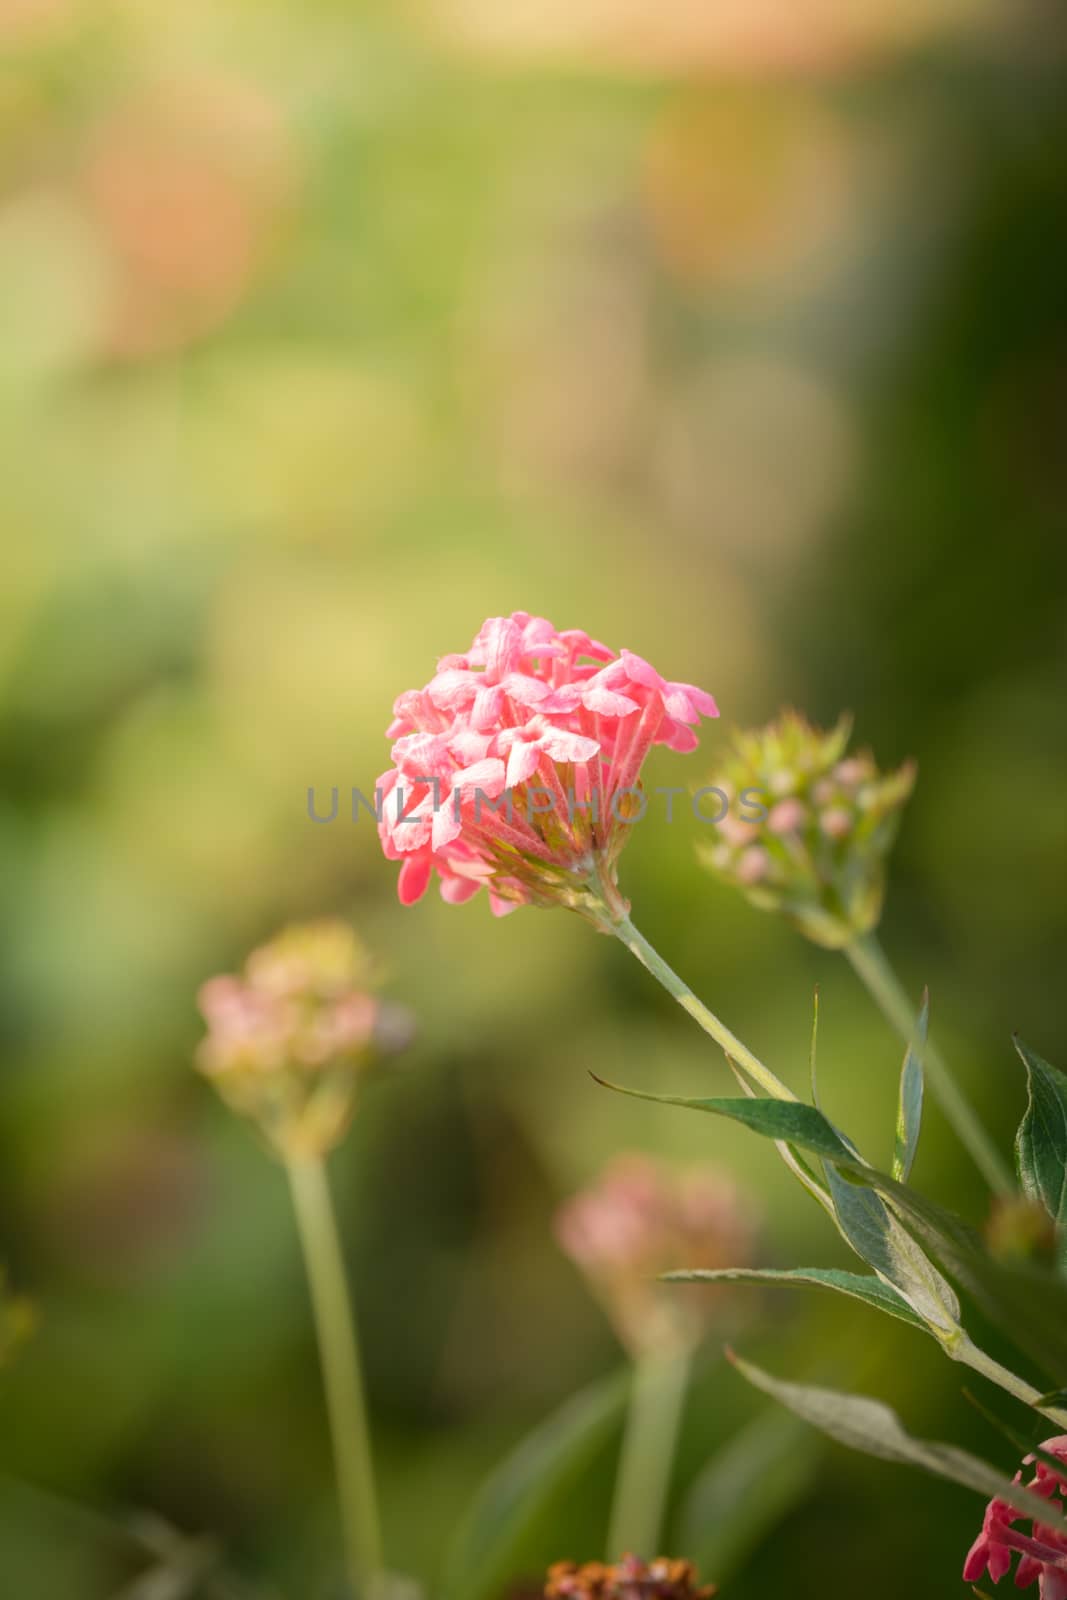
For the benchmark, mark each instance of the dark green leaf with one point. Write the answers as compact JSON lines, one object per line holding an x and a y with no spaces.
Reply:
{"x":790,"y":1120}
{"x":1041,"y":1143}
{"x":873,"y":1234}
{"x":858,"y":1285}
{"x":1026,"y":1303}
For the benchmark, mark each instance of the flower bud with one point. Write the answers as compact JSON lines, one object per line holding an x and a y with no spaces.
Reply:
{"x":819,"y":854}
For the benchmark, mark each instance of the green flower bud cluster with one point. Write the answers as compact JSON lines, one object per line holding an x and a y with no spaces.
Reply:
{"x":815,"y":848}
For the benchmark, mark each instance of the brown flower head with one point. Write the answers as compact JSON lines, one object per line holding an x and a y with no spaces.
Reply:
{"x":628,"y":1579}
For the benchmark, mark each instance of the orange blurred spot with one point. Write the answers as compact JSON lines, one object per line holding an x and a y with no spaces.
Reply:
{"x":188,"y":188}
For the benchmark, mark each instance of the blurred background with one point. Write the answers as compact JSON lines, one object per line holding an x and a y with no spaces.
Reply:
{"x":733,"y":331}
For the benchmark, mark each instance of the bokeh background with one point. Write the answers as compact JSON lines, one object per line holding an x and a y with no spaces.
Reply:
{"x":733,"y":331}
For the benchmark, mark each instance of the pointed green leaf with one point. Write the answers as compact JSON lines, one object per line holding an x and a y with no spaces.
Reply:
{"x":872,"y":1428}
{"x":910,"y":1107}
{"x":878,"y":1238}
{"x":812,"y":1067}
{"x":858,"y":1285}
{"x":794,"y":1161}
{"x":790,"y":1120}
{"x":519,"y":1495}
{"x":1041,"y":1143}
{"x":861,"y":1216}
{"x":1026,"y":1303}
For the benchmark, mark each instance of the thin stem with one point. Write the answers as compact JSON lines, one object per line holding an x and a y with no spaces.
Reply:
{"x":970,"y":1355}
{"x":341,"y":1373}
{"x":647,"y":1458}
{"x":871,"y":965}
{"x":739,"y":1053}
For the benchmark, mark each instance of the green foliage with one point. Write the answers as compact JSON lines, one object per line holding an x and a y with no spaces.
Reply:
{"x":1041,"y":1143}
{"x":856,"y":1285}
{"x":906,"y":1238}
{"x":910,"y":1106}
{"x":869,"y":1426}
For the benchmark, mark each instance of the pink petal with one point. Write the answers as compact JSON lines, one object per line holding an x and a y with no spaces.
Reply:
{"x":489,"y":776}
{"x":453,"y":690}
{"x":525,"y":690}
{"x":522,"y":763}
{"x":488,"y":704}
{"x":676,"y":736}
{"x":458,"y":890}
{"x":641,"y":671}
{"x":564,"y":746}
{"x":605,"y":701}
{"x":687,"y":704}
{"x":414,"y":877}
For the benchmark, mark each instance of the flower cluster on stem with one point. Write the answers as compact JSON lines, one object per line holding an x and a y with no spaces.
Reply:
{"x":289,"y":1039}
{"x":517,"y":767}
{"x":814,"y":844}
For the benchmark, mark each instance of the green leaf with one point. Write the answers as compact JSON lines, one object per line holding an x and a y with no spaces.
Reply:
{"x":519,"y":1496}
{"x":812,"y":1049}
{"x":1041,"y":1143}
{"x":875,"y":1236}
{"x":858,"y":1285}
{"x":745,"y":1489}
{"x":910,"y":1106}
{"x":790,"y":1120}
{"x":1027,"y":1304}
{"x":790,"y":1155}
{"x":879,"y":1239}
{"x":872,"y":1428}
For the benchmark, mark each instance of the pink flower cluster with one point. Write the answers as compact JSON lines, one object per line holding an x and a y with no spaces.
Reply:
{"x":517,"y":766}
{"x":1043,"y":1552}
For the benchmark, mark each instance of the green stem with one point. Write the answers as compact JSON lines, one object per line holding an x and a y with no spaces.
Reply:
{"x":871,"y":965}
{"x":970,"y":1355}
{"x":739,"y":1053}
{"x":647,"y":1458}
{"x":342,"y":1376}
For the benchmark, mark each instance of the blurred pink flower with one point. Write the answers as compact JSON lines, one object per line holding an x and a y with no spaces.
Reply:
{"x":640,"y":1219}
{"x":517,"y":766}
{"x":288,"y":1040}
{"x":1043,"y":1552}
